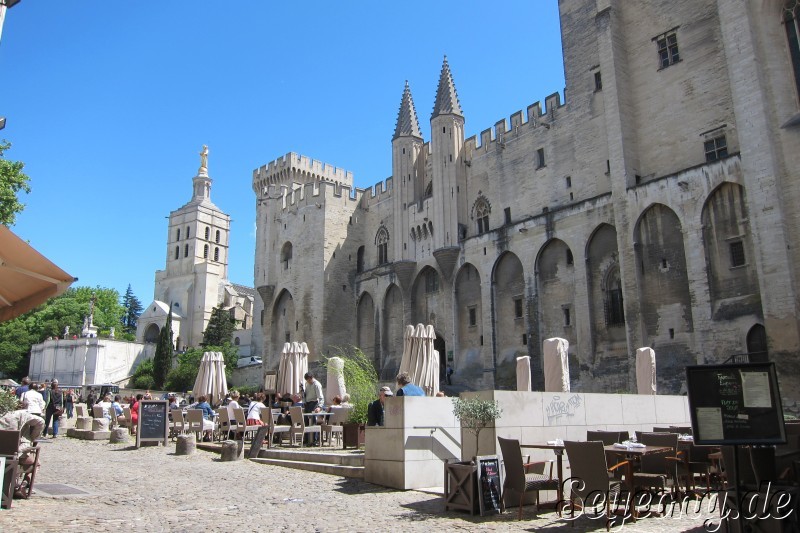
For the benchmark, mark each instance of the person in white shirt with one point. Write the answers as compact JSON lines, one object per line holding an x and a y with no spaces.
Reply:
{"x":35,"y":401}
{"x":233,"y":404}
{"x":254,"y":410}
{"x":106,"y":405}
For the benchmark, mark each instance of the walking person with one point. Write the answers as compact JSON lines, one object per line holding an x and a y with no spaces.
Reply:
{"x":69,"y":402}
{"x":55,"y":408}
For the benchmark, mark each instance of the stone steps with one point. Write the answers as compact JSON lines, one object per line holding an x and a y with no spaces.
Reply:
{"x":324,"y":468}
{"x":345,"y":464}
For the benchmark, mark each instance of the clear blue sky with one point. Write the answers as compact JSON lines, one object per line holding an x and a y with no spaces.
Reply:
{"x":109,"y":102}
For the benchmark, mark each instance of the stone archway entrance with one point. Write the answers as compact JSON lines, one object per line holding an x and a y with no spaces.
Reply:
{"x":151,"y":333}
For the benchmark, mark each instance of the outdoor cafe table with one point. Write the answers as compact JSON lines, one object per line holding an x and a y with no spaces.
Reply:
{"x":631,"y":454}
{"x":558,"y":449}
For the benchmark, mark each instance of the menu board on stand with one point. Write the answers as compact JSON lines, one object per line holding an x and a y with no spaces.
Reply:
{"x":489,"y":488}
{"x":735,"y":404}
{"x":153,"y":422}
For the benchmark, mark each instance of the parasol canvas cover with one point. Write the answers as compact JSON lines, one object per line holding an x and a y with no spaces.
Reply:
{"x":556,"y":365}
{"x":524,"y":373}
{"x":646,"y":371}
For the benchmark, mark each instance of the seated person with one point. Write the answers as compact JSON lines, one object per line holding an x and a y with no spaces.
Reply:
{"x":106,"y":405}
{"x":375,"y":411}
{"x":29,"y":425}
{"x":254,"y":410}
{"x":406,"y":387}
{"x":208,"y":417}
{"x":346,"y":401}
{"x":173,"y":403}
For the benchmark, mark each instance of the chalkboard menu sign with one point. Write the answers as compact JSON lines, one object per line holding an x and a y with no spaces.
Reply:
{"x":735,"y":404}
{"x":153,"y":422}
{"x":489,"y":495}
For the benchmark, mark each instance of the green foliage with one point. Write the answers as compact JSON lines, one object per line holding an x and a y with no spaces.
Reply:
{"x":360,"y":378}
{"x":12,"y":181}
{"x":133,"y":308}
{"x":15,"y":345}
{"x":8,"y":401}
{"x":475,"y":413}
{"x":182,"y":377}
{"x":220,"y":328}
{"x":143,"y":376}
{"x":162,"y":360}
{"x":249,"y":390}
{"x":49,"y":320}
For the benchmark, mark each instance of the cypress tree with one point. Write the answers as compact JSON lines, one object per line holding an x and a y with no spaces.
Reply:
{"x":162,"y":361}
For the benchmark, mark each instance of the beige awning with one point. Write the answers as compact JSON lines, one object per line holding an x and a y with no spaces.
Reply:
{"x":27,"y":278}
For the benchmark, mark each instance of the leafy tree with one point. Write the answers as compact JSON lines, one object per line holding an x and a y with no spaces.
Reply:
{"x":143,"y":376}
{"x":133,"y":308}
{"x":183,"y":376}
{"x":220,"y":328}
{"x":475,"y":414}
{"x":162,"y":361}
{"x":12,"y":181}
{"x":15,"y":345}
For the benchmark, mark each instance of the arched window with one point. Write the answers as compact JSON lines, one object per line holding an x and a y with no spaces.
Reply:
{"x":177,"y":252}
{"x":481,"y":210}
{"x":217,"y":237}
{"x":187,"y":232}
{"x":286,"y":254}
{"x":178,"y":234}
{"x":216,"y":254}
{"x":205,"y":251}
{"x":208,"y":232}
{"x":382,"y":242}
{"x":186,"y":250}
{"x":236,"y":341}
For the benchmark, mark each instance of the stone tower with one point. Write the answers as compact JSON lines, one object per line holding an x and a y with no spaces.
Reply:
{"x":196,"y":266}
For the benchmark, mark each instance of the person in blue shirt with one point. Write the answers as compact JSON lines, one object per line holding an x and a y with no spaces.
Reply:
{"x":208,"y":417}
{"x":406,"y":388}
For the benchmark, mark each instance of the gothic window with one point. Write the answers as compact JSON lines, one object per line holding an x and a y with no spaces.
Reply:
{"x":216,"y":254}
{"x":481,"y":210}
{"x":613,"y":307}
{"x":177,"y":252}
{"x":178,"y":234}
{"x":360,"y":260}
{"x":186,"y":250}
{"x":790,"y":16}
{"x":187,"y":232}
{"x":286,"y":255}
{"x":205,"y":251}
{"x":208,"y":232}
{"x":382,"y":242}
{"x":598,"y":81}
{"x":473,"y":315}
{"x":567,"y":316}
{"x":540,"y":158}
{"x":431,"y":281}
{"x":217,"y":237}
{"x":667,"y":45}
{"x":716,"y":148}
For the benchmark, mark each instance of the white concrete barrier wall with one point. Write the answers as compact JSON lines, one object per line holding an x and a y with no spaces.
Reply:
{"x":407,"y":454}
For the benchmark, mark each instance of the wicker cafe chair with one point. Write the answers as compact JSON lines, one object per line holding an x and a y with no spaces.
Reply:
{"x":659,"y":470}
{"x":607,"y":437}
{"x":590,"y":482}
{"x":517,"y":477}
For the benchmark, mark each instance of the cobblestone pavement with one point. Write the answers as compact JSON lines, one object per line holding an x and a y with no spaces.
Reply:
{"x":151,"y":489}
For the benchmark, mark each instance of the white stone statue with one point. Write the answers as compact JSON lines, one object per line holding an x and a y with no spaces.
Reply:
{"x":111,"y":332}
{"x":204,"y":157}
{"x":66,"y":331}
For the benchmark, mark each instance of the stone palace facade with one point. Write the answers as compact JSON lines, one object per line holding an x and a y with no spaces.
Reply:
{"x":655,"y":206}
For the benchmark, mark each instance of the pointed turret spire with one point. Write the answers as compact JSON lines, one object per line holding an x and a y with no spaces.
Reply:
{"x":446,"y":95}
{"x":407,"y":123}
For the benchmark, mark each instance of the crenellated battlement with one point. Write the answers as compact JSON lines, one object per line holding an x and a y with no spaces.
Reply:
{"x":296,"y":168}
{"x":297,"y":195}
{"x":533,"y":118}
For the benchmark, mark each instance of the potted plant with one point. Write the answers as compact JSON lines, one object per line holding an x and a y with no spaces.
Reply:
{"x":361,"y":381}
{"x":475,"y":414}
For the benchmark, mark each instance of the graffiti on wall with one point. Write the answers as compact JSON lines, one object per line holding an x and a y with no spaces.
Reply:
{"x":561,"y":408}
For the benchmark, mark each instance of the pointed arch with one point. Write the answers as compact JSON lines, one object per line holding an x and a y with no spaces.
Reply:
{"x":481,"y":209}
{"x":286,"y":255}
{"x":556,"y":293}
{"x":382,"y":243}
{"x":283,"y":320}
{"x":727,"y":241}
{"x":392,"y":338}
{"x":470,"y":342}
{"x":511,"y":318}
{"x":757,"y":348}
{"x":427,"y":299}
{"x":366,"y":326}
